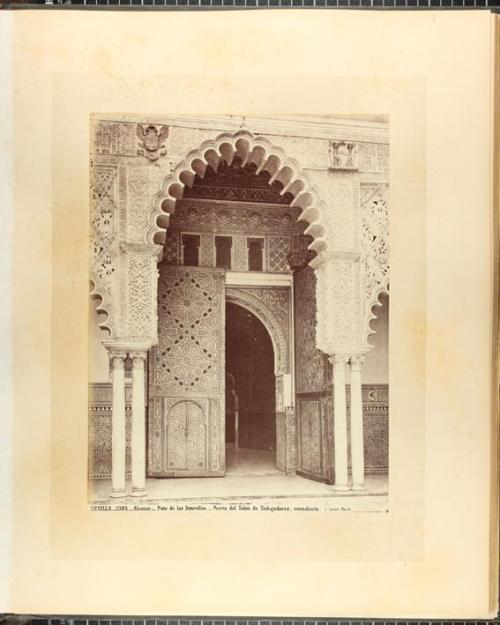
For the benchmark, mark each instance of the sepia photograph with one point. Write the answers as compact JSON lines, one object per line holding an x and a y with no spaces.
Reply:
{"x":253,"y":268}
{"x":239,"y":313}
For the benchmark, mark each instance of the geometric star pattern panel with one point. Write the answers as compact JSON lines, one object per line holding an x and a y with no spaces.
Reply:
{"x":187,"y":355}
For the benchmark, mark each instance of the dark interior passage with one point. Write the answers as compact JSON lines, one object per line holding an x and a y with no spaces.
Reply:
{"x":250,"y":382}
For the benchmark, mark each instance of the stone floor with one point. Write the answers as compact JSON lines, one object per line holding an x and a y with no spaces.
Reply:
{"x":251,"y":477}
{"x":248,"y":462}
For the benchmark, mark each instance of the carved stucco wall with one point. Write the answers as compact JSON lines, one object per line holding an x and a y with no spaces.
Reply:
{"x":104,"y":236}
{"x":375,"y":247}
{"x":376,"y":365}
{"x":278,"y":228}
{"x":346,"y":210}
{"x":375,"y":369}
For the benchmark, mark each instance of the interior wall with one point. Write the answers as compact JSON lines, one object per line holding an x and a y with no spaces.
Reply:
{"x":376,"y":366}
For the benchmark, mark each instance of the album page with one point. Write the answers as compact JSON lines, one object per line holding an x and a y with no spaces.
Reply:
{"x":252,"y":313}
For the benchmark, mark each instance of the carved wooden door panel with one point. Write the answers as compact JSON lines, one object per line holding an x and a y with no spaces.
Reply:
{"x":313,"y":387}
{"x":186,"y":422}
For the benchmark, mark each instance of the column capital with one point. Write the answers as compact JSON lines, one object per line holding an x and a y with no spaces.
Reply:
{"x":138,"y":355}
{"x":127,"y":345}
{"x":117,"y":358}
{"x":338,"y":359}
{"x":357,"y":362}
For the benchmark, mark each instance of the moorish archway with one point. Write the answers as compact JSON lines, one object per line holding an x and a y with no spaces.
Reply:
{"x":132,"y":203}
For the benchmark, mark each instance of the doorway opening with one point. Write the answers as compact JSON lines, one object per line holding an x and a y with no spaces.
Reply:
{"x":250,"y":395}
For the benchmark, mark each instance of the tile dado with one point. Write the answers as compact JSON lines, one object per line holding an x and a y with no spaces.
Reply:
{"x":375,"y":410}
{"x":99,"y":452}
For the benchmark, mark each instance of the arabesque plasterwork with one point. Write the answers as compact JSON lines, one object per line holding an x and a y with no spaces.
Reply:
{"x":104,"y":236}
{"x":375,"y":244}
{"x":134,"y":196}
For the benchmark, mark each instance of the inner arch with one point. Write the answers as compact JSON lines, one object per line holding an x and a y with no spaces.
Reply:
{"x":250,"y":394}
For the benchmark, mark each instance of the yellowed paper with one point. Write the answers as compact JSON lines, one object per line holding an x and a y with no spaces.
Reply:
{"x":429,"y":556}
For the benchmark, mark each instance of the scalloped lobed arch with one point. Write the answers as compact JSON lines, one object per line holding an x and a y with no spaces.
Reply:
{"x":101,"y":307}
{"x":251,"y":149}
{"x":375,"y":232}
{"x":373,"y":309}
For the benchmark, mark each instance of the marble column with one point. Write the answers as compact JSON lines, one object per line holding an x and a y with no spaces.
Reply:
{"x":340,"y":422}
{"x":118,"y":438}
{"x":138,"y":437}
{"x":357,"y":443}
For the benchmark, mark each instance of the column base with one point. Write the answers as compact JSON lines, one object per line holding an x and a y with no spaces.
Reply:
{"x":359,"y":487}
{"x":118,"y":493}
{"x":341,"y":488}
{"x":138,"y":492}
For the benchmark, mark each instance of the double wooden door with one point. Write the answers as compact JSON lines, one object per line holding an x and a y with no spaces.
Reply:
{"x":186,"y":412}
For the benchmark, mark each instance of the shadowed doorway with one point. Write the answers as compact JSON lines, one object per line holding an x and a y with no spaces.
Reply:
{"x":250,"y":395}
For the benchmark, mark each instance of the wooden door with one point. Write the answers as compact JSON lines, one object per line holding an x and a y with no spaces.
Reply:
{"x":186,"y":417}
{"x":313,"y":386}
